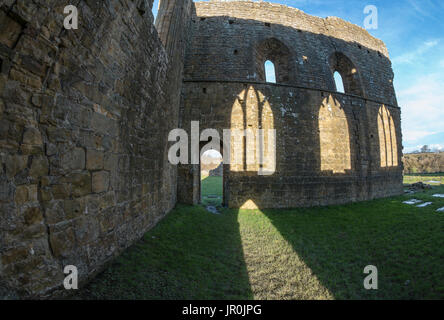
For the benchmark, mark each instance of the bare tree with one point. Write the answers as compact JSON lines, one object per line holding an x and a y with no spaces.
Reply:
{"x":425,"y":149}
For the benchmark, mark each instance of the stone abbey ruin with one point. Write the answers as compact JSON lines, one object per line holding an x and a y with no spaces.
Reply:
{"x":85,"y":116}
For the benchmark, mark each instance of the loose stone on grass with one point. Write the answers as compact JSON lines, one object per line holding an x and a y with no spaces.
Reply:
{"x":425,"y":204}
{"x":412,"y":201}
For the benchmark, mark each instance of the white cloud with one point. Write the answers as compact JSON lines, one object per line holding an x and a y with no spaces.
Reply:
{"x":439,"y":147}
{"x":213,"y":154}
{"x":422,"y":108}
{"x":411,"y":56}
{"x":441,"y":63}
{"x":412,"y":136}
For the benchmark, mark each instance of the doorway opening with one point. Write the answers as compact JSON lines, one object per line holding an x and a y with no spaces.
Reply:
{"x":211,"y":178}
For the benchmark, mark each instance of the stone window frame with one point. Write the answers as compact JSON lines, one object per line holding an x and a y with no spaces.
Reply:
{"x":279,"y":54}
{"x":341,"y":63}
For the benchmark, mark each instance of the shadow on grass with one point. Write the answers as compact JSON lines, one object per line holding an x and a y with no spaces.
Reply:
{"x":316,"y":253}
{"x":191,"y":254}
{"x":405,"y":243}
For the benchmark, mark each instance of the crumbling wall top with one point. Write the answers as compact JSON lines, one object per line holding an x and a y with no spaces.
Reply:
{"x":291,"y":17}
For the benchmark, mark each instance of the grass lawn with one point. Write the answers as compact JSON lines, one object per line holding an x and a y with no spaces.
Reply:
{"x":316,"y":253}
{"x":429,"y":178}
{"x":211,"y":191}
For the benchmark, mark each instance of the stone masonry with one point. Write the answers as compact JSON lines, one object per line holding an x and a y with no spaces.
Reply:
{"x":84,"y":122}
{"x":85,"y":116}
{"x":331,"y":148}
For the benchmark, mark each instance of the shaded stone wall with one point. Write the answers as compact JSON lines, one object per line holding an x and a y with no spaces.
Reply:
{"x":227,"y":35}
{"x":313,"y":167}
{"x":331,"y":148}
{"x":84,"y":121}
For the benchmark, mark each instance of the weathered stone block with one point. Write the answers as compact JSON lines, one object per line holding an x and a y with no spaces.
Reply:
{"x":74,"y":160}
{"x":32,"y":136}
{"x":111,"y":162}
{"x":21,"y":195}
{"x":100,"y":181}
{"x":39,"y":167}
{"x":26,"y":78}
{"x":40,"y":100}
{"x":32,"y":141}
{"x":87,"y":229}
{"x":45,"y":194}
{"x":108,"y":200}
{"x":58,"y":134}
{"x":54,"y":212}
{"x":62,"y":243}
{"x":2,"y":106}
{"x":6,"y":190}
{"x":60,"y":191}
{"x":104,"y":125}
{"x":35,"y":231}
{"x":15,"y":164}
{"x":81,"y":184}
{"x":94,"y":160}
{"x":14,"y":255}
{"x":33,"y":215}
{"x":10,"y":30}
{"x":73,"y":208}
{"x":33,"y":193}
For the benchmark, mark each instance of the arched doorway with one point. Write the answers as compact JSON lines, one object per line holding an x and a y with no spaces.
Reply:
{"x":211,"y":178}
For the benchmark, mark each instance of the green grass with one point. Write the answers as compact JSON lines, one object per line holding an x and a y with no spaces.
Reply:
{"x":316,"y":253}
{"x":211,"y":187}
{"x":190,"y":254}
{"x":424,"y":177}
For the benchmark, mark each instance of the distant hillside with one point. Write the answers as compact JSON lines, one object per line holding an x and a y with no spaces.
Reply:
{"x":209,"y":162}
{"x":424,"y":162}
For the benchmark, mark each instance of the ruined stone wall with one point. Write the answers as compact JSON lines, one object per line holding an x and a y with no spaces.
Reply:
{"x":328,"y":144}
{"x":226,"y":36}
{"x":331,"y":148}
{"x":84,"y":121}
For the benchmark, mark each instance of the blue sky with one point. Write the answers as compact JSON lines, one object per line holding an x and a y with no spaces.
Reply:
{"x":413,"y":31}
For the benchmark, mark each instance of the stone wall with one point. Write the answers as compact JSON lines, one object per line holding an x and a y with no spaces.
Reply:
{"x":331,"y":148}
{"x":84,"y":121}
{"x":227,"y":36}
{"x":328,"y":147}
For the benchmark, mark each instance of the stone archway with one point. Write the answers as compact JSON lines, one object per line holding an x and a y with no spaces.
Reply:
{"x":225,"y":173}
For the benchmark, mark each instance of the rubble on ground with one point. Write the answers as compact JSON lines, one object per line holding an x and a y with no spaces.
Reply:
{"x":416,"y":187}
